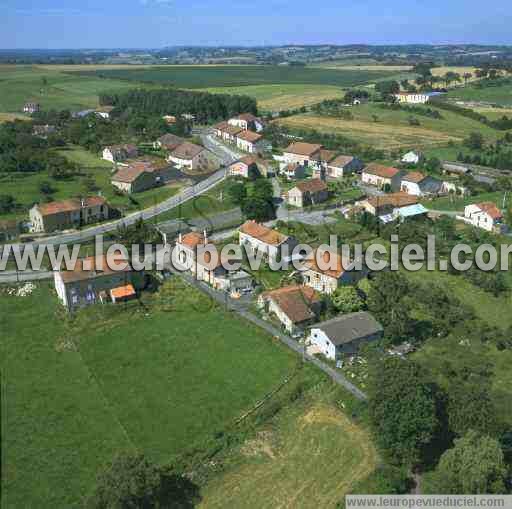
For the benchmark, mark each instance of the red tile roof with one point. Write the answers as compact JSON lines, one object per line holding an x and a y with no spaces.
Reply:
{"x":187,"y":151}
{"x":248,"y":117}
{"x":122,"y":292}
{"x":129,"y":174}
{"x":250,"y":136}
{"x":312,"y":186}
{"x":303,"y":149}
{"x":87,"y":268}
{"x":295,"y":301}
{"x":328,"y":257}
{"x":262,"y":233}
{"x":491,"y":209}
{"x":327,"y":155}
{"x":414,"y":176}
{"x":72,"y":205}
{"x":381,"y":170}
{"x":193,"y":239}
{"x":341,"y":161}
{"x":393,"y":199}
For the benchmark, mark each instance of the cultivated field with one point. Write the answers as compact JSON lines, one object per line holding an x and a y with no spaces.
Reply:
{"x":77,"y":390}
{"x":392,"y":129}
{"x":284,"y":97}
{"x":232,"y":75}
{"x":501,"y":94}
{"x":308,"y":459}
{"x":52,"y":89}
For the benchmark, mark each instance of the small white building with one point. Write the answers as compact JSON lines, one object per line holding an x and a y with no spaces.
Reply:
{"x":486,"y":216}
{"x":118,"y":153}
{"x":304,"y":154}
{"x":418,"y":184}
{"x":344,"y":335}
{"x":411,"y":158}
{"x":247,"y":121}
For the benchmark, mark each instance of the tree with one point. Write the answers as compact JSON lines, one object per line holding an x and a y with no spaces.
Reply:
{"x":131,"y":481}
{"x":237,"y":192}
{"x":46,"y":188}
{"x":475,"y":465}
{"x":7,"y":203}
{"x":402,"y":405}
{"x":387,"y":88}
{"x":474,"y":141}
{"x":467,"y":76}
{"x":346,"y":299}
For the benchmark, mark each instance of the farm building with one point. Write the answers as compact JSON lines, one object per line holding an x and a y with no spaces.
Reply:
{"x":418,"y":184}
{"x":344,"y":335}
{"x":193,"y":157}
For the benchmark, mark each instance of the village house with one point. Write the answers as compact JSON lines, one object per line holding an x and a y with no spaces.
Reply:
{"x":97,"y":280}
{"x":339,"y":167}
{"x":387,"y":203}
{"x":218,"y":129}
{"x":258,"y":238}
{"x":327,"y":278}
{"x":418,"y":184}
{"x":251,"y":142}
{"x":43,"y":130}
{"x":119,"y":153}
{"x":30,"y":108}
{"x":206,"y":269}
{"x":73,"y":213}
{"x":246,"y":167}
{"x":104,"y":112}
{"x":344,"y":335}
{"x":485,"y":215}
{"x":305,"y":154}
{"x":133,"y":179}
{"x":294,"y":171}
{"x":247,"y":121}
{"x":308,"y":192}
{"x":193,"y":157}
{"x":168,"y":142}
{"x":295,"y":306}
{"x":381,"y":176}
{"x":142,"y":175}
{"x":227,"y":132}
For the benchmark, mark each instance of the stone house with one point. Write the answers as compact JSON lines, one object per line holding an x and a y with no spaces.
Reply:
{"x":308,"y":192}
{"x":387,"y":203}
{"x":295,"y":306}
{"x":418,"y":184}
{"x":93,"y":279}
{"x":168,"y":142}
{"x":247,"y":121}
{"x":380,"y":176}
{"x":294,"y":171}
{"x":246,"y":167}
{"x":193,"y":157}
{"x":306,"y":154}
{"x":341,"y":166}
{"x":73,"y":213}
{"x":485,"y":215}
{"x":325,"y":272}
{"x":133,"y":179}
{"x":251,"y":142}
{"x":258,"y":238}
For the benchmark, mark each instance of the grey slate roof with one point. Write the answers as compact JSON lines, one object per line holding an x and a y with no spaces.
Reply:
{"x":347,"y":328}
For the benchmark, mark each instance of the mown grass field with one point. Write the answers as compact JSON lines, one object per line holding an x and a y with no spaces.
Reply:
{"x":284,"y":97}
{"x":26,"y":186}
{"x":311,"y":457}
{"x":233,"y":75}
{"x":501,"y":94}
{"x":456,"y":203}
{"x":162,"y":380}
{"x":51,"y":89}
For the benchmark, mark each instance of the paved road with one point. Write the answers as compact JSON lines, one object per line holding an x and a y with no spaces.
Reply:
{"x":242,"y":309}
{"x":226,"y":154}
